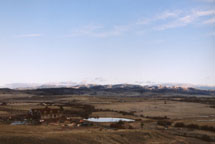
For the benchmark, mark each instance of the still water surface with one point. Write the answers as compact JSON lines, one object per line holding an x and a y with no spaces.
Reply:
{"x":108,"y":119}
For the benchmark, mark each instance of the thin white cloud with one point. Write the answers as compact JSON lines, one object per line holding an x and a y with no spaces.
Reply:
{"x":99,"y":31}
{"x":163,"y":16}
{"x":85,"y":30}
{"x":115,"y":31}
{"x":163,"y":21}
{"x":182,"y":21}
{"x":205,"y":13}
{"x":209,"y":21}
{"x":29,"y":35}
{"x":168,"y":14}
{"x":187,"y":19}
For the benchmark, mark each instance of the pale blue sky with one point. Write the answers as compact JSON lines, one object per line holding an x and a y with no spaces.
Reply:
{"x":107,"y":41}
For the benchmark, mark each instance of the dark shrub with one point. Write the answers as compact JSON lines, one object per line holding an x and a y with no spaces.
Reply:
{"x":138,"y":119}
{"x":130,"y":127}
{"x":126,"y":113}
{"x":213,"y":106}
{"x":157,"y":117}
{"x":120,"y":122}
{"x":195,"y":126}
{"x":142,"y":124}
{"x":192,"y":126}
{"x":179,"y":124}
{"x":118,"y":125}
{"x":164,"y":123}
{"x":208,"y":128}
{"x":206,"y":138}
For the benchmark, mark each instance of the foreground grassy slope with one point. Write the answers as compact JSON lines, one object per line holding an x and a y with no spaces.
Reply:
{"x":55,"y":135}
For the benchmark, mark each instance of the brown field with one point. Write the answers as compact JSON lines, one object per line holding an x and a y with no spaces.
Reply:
{"x":154,"y":107}
{"x":145,"y":130}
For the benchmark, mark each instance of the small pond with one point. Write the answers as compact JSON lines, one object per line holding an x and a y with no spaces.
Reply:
{"x":108,"y":119}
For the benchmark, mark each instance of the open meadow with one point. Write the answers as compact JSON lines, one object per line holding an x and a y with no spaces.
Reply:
{"x":163,"y":120}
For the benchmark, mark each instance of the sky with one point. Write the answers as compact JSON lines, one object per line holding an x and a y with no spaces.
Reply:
{"x":107,"y":41}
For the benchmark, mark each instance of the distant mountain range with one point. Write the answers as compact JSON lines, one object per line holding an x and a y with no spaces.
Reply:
{"x":82,"y":84}
{"x":107,"y":90}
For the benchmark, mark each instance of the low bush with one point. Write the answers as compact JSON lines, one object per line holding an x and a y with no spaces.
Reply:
{"x":130,"y":127}
{"x":213,"y":106}
{"x":206,"y":138}
{"x":195,"y":126}
{"x":164,"y":123}
{"x":208,"y":128}
{"x":192,"y":126}
{"x":179,"y":124}
{"x":157,"y":117}
{"x":141,"y":124}
{"x":118,"y":125}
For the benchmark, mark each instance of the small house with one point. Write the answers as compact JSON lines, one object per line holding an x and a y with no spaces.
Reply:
{"x":46,"y":113}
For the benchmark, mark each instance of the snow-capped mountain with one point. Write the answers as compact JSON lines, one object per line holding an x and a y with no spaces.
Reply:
{"x":76,"y":85}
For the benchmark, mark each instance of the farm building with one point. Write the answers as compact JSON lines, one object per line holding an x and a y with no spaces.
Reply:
{"x":46,"y":113}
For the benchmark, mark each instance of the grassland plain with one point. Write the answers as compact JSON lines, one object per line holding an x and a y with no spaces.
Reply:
{"x":151,"y":115}
{"x":55,"y":135}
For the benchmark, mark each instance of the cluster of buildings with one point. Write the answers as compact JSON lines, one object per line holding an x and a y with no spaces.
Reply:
{"x":58,"y":114}
{"x":46,"y":113}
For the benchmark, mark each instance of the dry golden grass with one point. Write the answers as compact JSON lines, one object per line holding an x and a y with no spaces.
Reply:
{"x":149,"y":134}
{"x":3,"y":113}
{"x":55,"y":135}
{"x":171,"y":109}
